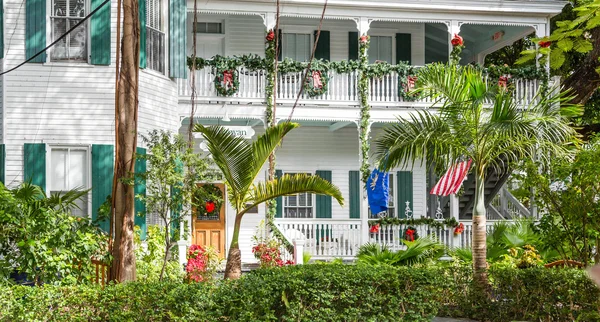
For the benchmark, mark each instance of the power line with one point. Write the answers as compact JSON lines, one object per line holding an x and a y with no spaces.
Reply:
{"x":59,"y":38}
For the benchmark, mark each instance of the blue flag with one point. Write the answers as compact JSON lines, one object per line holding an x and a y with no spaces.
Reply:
{"x":378,"y":191}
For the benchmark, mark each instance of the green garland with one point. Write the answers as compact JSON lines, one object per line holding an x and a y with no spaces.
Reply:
{"x":365,"y":108}
{"x":224,"y":87}
{"x":387,"y":221}
{"x":208,"y":193}
{"x":311,"y":89}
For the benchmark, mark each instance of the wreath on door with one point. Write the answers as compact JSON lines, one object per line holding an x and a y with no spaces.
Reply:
{"x":209,"y":199}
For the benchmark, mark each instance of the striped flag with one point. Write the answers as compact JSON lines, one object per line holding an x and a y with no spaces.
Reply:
{"x":451,"y":181}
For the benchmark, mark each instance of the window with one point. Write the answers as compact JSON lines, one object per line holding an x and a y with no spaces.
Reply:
{"x":209,"y":28}
{"x":296,"y":46}
{"x":155,"y":36}
{"x":380,"y":48}
{"x":69,"y":169}
{"x":298,"y":205}
{"x":64,"y":15}
{"x":391,"y":211}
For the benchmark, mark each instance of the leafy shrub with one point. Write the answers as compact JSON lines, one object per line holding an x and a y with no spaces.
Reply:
{"x":320,"y":293}
{"x":202,"y":263}
{"x":149,"y":259}
{"x":416,"y":252}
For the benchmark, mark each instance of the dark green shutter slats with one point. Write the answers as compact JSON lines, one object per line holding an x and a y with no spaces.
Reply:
{"x":323,"y":46}
{"x":404,"y":192}
{"x":353,"y":45}
{"x":142,"y":11}
{"x":140,"y":189}
{"x":354,"y":197}
{"x":2,"y":29}
{"x":3,"y":163}
{"x":323,"y":202}
{"x":279,"y":44}
{"x":403,"y":48}
{"x":35,"y":29}
{"x":279,"y":208}
{"x":34,"y":164}
{"x":100,"y":32}
{"x":102,"y":179}
{"x":177,"y":39}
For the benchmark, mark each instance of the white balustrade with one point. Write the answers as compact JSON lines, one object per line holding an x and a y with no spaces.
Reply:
{"x":324,"y":238}
{"x":340,"y":87}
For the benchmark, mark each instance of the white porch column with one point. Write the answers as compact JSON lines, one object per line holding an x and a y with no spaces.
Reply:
{"x":454,"y":213}
{"x":453,"y":28}
{"x":269,"y":20}
{"x":299,"y":251}
{"x":182,"y":243}
{"x":362,"y":24}
{"x":364,"y":216}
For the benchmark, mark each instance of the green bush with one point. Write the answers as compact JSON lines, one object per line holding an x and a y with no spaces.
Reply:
{"x":319,"y":293}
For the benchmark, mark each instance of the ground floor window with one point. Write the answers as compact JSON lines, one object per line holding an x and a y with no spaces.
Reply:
{"x":69,"y":169}
{"x":298,"y":205}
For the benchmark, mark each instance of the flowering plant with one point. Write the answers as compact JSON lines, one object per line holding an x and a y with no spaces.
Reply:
{"x":270,"y":35}
{"x":459,"y":229}
{"x":269,"y":255}
{"x":202,"y":263}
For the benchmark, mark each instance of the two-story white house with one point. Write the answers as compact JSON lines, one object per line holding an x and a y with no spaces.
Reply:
{"x":57,"y":111}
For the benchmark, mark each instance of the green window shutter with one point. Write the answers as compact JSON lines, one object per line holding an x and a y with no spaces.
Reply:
{"x":323,"y":47}
{"x":100,"y":32}
{"x":35,"y":29}
{"x":3,"y":163}
{"x":177,"y":38}
{"x":34,"y":164}
{"x":142,"y":11}
{"x":353,"y":45}
{"x":140,"y":189}
{"x":323,"y":202}
{"x":403,"y":48}
{"x":2,"y":32}
{"x":404,"y":191}
{"x":279,"y":44}
{"x":102,"y":179}
{"x":354,"y":200}
{"x":279,"y":209}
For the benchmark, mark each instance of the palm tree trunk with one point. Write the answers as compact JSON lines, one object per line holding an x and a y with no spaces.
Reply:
{"x":233,"y":269}
{"x":479,"y":234}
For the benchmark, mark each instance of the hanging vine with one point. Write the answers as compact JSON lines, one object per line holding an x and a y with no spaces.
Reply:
{"x":365,"y":108}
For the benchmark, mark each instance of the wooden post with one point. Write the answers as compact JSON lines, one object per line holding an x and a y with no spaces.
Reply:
{"x":299,"y":251}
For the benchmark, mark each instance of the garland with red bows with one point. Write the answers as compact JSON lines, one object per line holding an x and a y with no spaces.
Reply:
{"x":459,"y":229}
{"x":410,"y":233}
{"x":316,"y":83}
{"x":227,"y":82}
{"x":209,"y":199}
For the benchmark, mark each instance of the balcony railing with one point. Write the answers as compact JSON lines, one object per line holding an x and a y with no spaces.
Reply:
{"x":342,"y":89}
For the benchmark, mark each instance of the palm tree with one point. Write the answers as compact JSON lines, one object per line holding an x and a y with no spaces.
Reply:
{"x":241,"y":163}
{"x":474,"y":121}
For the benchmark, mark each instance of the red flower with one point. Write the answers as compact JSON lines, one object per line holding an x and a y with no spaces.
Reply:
{"x":210,"y":206}
{"x":456,"y":40}
{"x":364,"y":39}
{"x":374,"y":229}
{"x":544,"y":43}
{"x":270,"y":35}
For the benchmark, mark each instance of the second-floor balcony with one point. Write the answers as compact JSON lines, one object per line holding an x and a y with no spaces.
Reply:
{"x":384,"y":91}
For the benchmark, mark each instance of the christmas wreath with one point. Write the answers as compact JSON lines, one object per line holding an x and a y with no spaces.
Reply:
{"x":316,"y":83}
{"x":410,"y":233}
{"x":227,"y":82}
{"x":406,"y":84}
{"x":209,"y":199}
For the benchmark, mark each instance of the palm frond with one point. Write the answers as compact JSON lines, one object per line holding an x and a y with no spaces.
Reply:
{"x":289,"y":185}
{"x":419,"y":251}
{"x":266,"y":144}
{"x":65,"y":201}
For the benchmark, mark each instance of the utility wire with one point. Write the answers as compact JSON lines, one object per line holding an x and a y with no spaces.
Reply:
{"x":59,"y":38}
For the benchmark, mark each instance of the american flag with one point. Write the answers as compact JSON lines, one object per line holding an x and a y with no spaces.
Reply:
{"x":451,"y":181}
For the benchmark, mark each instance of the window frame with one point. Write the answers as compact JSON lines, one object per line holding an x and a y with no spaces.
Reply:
{"x":88,"y":177}
{"x":50,"y":39}
{"x":313,"y":200}
{"x":164,"y":15}
{"x":283,"y":42}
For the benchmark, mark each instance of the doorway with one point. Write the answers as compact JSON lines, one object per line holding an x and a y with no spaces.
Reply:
{"x":209,"y":230}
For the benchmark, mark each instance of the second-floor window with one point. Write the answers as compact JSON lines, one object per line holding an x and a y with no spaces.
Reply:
{"x":155,"y":36}
{"x":64,"y":15}
{"x":380,"y":49}
{"x":296,"y":46}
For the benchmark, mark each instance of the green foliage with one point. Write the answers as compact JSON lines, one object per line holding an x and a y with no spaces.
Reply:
{"x":149,"y":259}
{"x":433,"y":223}
{"x":41,"y":239}
{"x":416,"y":252}
{"x":320,"y":293}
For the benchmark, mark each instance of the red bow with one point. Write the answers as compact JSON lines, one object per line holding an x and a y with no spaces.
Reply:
{"x":456,"y":40}
{"x":410,"y":235}
{"x":270,"y":35}
{"x":374,"y":229}
{"x":459,"y":229}
{"x":228,"y":78}
{"x":210,"y":206}
{"x":503,"y":81}
{"x":410,"y":82}
{"x":364,"y":39}
{"x":316,"y":76}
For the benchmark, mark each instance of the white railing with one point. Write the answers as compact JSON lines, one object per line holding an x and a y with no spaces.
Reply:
{"x":342,"y":88}
{"x":324,"y":238}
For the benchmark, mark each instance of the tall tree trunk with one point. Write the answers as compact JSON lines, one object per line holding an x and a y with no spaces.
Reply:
{"x":233,"y":269}
{"x":123,"y":266}
{"x":479,"y":234}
